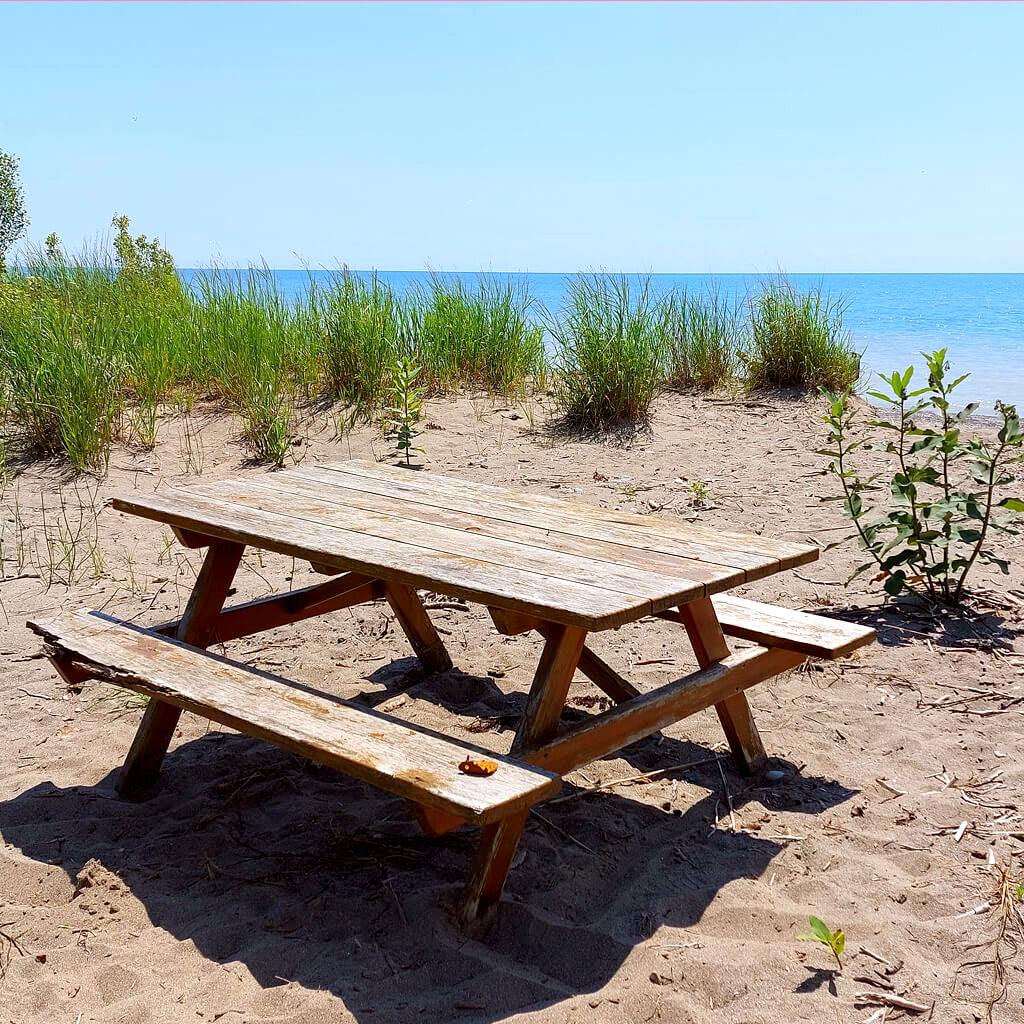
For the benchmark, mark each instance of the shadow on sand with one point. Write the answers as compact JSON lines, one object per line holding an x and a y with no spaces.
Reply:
{"x":261,"y":857}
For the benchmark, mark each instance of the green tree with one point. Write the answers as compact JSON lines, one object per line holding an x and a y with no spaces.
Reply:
{"x":13,"y":219}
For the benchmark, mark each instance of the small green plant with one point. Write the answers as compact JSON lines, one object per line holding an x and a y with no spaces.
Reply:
{"x":820,"y":932}
{"x":943,"y":494}
{"x":699,"y":495}
{"x":406,"y":408}
{"x":1019,"y":892}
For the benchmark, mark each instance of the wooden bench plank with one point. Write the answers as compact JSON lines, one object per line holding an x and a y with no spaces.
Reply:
{"x":410,"y":761}
{"x":641,"y":528}
{"x":556,"y":600}
{"x":796,"y":631}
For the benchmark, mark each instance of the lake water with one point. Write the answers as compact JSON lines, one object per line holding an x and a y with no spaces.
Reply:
{"x":978,"y":318}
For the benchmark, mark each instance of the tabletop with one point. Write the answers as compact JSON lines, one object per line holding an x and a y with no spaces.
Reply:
{"x":564,"y":561}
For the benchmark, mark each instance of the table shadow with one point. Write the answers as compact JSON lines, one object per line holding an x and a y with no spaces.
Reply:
{"x":260,"y":857}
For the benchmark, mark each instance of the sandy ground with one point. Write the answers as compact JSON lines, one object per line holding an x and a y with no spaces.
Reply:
{"x":254,"y":886}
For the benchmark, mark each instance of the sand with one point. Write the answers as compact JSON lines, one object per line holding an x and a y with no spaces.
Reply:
{"x":255,"y":887}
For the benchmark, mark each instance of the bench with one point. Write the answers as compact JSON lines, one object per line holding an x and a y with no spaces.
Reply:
{"x":814,"y":635}
{"x":386,"y":752}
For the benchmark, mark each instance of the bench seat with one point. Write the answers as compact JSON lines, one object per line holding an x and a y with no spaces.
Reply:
{"x":773,"y":626}
{"x":386,"y":752}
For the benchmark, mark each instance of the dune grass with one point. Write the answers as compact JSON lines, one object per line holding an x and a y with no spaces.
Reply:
{"x":93,"y":346}
{"x":478,"y":335}
{"x":610,"y":340}
{"x":797,"y":340}
{"x":703,"y":339}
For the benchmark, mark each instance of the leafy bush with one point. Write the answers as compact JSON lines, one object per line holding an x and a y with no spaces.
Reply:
{"x":943,"y":504}
{"x":797,"y":340}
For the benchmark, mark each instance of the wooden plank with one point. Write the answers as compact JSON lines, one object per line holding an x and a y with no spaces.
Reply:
{"x":308,"y":504}
{"x":626,"y":723}
{"x":796,"y":631}
{"x":642,"y":528}
{"x":377,"y":748}
{"x":487,"y":520}
{"x":418,"y":628}
{"x":284,"y":609}
{"x":534,"y":594}
{"x":560,"y":518}
{"x":544,"y":705}
{"x":734,"y":713}
{"x":160,"y":719}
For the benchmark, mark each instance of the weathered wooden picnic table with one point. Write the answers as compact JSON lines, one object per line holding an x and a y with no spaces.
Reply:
{"x":539,"y":563}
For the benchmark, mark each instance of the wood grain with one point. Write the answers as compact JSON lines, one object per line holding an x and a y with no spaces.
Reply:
{"x":588,"y":606}
{"x":384,"y":751}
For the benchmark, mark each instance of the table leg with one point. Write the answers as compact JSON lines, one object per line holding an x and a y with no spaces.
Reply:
{"x":416,"y":625}
{"x":705,"y":632}
{"x":196,"y":628}
{"x":498,"y":842}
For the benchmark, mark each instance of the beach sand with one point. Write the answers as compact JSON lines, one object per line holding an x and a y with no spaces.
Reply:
{"x":257,"y":887}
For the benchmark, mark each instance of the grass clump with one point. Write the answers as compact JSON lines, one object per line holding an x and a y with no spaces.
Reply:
{"x":610,"y":344}
{"x":478,"y":335}
{"x":702,"y":339}
{"x":361,"y":325}
{"x":797,"y":340}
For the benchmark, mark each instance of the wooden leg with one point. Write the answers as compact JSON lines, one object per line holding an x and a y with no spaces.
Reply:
{"x":605,"y":678}
{"x":705,"y":632}
{"x":544,"y":705}
{"x":744,"y":740}
{"x":416,"y":624}
{"x":196,"y":627}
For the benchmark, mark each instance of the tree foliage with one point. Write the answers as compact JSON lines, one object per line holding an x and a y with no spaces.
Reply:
{"x":13,"y":218}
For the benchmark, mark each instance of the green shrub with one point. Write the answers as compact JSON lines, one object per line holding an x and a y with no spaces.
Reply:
{"x":798,"y":341}
{"x":942,"y":503}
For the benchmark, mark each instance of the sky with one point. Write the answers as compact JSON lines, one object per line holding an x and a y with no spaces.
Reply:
{"x":666,"y":137}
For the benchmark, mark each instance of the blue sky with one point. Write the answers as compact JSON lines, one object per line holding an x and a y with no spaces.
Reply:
{"x":531,"y":136}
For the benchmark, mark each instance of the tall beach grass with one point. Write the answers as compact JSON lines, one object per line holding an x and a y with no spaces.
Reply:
{"x":93,"y":346}
{"x":797,"y":340}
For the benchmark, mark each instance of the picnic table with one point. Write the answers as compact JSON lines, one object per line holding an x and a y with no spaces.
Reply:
{"x":562,"y":568}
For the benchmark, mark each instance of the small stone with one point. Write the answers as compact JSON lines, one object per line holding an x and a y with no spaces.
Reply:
{"x":774,"y":775}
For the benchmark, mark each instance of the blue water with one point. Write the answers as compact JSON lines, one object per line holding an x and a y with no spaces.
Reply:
{"x":892,"y":318}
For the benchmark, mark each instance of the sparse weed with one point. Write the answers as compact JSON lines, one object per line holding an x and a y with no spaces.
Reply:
{"x":835,"y":941}
{"x":407,"y":408}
